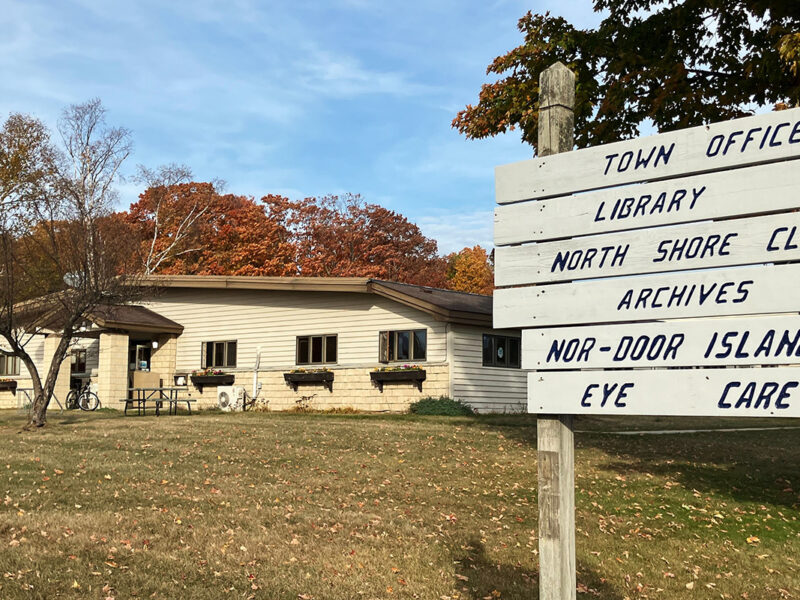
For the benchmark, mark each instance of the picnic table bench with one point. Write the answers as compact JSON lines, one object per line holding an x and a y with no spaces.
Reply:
{"x":156,"y":397}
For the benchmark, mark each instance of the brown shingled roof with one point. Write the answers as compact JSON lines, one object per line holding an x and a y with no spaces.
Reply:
{"x":445,"y":305}
{"x":133,"y":318}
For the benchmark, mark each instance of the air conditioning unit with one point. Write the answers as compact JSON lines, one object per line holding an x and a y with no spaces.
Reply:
{"x":230,"y":397}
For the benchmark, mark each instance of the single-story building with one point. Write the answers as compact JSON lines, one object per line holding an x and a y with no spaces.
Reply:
{"x":317,"y":342}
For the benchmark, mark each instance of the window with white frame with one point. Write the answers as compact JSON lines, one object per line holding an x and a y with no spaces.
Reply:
{"x":396,"y":346}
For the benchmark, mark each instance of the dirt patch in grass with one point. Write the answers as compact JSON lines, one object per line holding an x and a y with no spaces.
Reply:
{"x":305,"y":506}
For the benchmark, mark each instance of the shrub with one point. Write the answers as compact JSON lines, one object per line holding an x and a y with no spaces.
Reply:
{"x":442,"y":405}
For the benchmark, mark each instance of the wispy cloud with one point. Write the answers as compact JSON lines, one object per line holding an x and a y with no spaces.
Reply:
{"x":455,"y":230}
{"x":301,"y":98}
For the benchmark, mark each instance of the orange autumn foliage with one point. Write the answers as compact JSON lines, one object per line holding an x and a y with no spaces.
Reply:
{"x":347,"y":237}
{"x":234,"y":236}
{"x":314,"y":237}
{"x":470,"y":270}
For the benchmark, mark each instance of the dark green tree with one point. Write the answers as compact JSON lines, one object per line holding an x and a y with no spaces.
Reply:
{"x":676,"y":64}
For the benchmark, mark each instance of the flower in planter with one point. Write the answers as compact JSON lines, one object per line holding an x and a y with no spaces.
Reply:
{"x":7,"y":380}
{"x":207,"y":372}
{"x":320,"y":370}
{"x":396,"y":368}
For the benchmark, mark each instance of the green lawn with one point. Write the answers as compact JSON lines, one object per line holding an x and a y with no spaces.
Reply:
{"x":326,"y":507}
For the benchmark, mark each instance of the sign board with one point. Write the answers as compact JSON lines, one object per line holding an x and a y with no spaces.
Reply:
{"x":738,"y":143}
{"x":684,"y":200}
{"x":767,"y":392}
{"x":707,"y":342}
{"x":628,"y":256}
{"x":720,"y":292}
{"x":754,"y":240}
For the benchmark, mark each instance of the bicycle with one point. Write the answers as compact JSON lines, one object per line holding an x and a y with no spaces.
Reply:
{"x":83,"y":398}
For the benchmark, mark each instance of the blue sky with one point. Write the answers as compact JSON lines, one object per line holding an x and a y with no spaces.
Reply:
{"x":297,"y":98}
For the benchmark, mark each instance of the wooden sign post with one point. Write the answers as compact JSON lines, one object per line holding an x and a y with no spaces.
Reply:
{"x":653,"y":276}
{"x":554,"y":433}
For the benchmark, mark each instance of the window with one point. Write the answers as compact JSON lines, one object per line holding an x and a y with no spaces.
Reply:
{"x":77,"y":361}
{"x":316,"y":349}
{"x":403,"y":345}
{"x":219,"y":354}
{"x":501,"y":351}
{"x":9,"y":364}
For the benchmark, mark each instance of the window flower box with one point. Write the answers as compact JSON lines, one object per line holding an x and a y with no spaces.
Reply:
{"x":414,"y":375}
{"x":211,"y":378}
{"x":295,"y":378}
{"x":8,"y":384}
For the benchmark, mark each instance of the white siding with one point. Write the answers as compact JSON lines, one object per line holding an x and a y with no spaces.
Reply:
{"x":486,"y":389}
{"x":274,"y":319}
{"x":92,"y":347}
{"x":35,"y":347}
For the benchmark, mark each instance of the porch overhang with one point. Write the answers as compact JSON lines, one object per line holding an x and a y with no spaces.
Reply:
{"x":134,"y":319}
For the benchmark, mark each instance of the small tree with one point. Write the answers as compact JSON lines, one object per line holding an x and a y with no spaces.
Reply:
{"x":62,"y":255}
{"x":470,"y":270}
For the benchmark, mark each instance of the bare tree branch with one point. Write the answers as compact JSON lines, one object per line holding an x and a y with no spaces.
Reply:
{"x":61,"y":253}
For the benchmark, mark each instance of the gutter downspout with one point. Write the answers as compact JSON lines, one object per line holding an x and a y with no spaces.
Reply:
{"x":450,"y":353}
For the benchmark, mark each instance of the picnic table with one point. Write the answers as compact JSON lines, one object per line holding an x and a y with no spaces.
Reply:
{"x":157,"y":397}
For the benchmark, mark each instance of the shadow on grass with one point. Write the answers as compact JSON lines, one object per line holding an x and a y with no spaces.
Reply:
{"x":748,"y":466}
{"x":758,"y":466}
{"x":16,"y":419}
{"x":477,"y":577}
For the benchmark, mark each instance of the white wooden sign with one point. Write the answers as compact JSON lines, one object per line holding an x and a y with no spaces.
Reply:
{"x":736,"y":341}
{"x":719,"y":292}
{"x":752,"y":140}
{"x":767,"y":392}
{"x":695,"y":198}
{"x":704,"y":245}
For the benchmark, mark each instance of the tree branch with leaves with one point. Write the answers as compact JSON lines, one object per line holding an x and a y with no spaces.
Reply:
{"x":670,"y":64}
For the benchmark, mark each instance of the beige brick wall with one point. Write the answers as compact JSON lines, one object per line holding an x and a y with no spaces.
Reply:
{"x":352,"y":388}
{"x":112,"y":371}
{"x":162,"y":359}
{"x":10,"y":400}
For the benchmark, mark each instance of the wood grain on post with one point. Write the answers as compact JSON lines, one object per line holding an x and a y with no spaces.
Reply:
{"x":556,"y":110}
{"x":554,"y":433}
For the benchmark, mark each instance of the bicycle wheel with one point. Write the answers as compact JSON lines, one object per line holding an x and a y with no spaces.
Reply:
{"x":89,"y":401}
{"x":72,"y":400}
